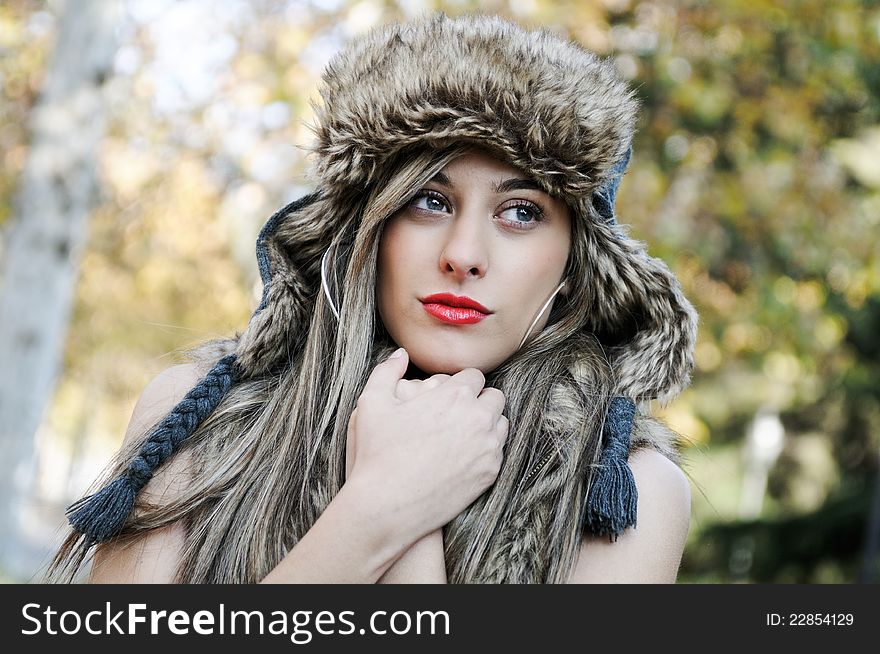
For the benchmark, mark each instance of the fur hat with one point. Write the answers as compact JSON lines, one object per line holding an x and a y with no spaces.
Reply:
{"x":545,"y":105}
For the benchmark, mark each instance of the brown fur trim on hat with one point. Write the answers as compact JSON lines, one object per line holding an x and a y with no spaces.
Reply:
{"x":551,"y":107}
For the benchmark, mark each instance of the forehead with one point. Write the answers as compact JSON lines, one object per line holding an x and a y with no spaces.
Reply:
{"x":477,"y":160}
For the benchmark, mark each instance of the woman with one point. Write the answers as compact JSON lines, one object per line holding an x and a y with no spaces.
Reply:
{"x":439,"y":384}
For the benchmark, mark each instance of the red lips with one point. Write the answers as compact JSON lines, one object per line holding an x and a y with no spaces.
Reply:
{"x":455,"y":309}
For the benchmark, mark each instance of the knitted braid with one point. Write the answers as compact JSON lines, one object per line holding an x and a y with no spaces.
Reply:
{"x":103,"y":514}
{"x":613,"y":495}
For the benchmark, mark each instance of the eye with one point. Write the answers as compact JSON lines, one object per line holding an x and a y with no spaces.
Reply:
{"x":522,"y":215}
{"x":427,"y":200}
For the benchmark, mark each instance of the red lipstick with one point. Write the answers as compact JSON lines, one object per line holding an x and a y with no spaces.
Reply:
{"x":454,"y":309}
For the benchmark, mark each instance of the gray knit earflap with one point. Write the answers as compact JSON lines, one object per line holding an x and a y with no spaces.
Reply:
{"x":604,"y":198}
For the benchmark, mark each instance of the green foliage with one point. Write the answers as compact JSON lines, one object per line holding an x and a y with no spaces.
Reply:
{"x":822,"y":547}
{"x":760,"y":116}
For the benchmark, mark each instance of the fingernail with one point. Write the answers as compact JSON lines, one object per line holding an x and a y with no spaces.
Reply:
{"x":397,"y":353}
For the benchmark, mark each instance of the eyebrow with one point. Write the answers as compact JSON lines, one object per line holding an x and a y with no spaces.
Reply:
{"x":512,"y":184}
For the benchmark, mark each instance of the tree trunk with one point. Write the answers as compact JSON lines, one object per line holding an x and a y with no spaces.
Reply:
{"x":56,"y":195}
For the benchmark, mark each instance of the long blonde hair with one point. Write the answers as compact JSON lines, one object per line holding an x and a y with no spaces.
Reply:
{"x":271,"y":457}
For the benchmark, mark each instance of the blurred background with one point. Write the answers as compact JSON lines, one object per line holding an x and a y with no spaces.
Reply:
{"x":144,"y":142}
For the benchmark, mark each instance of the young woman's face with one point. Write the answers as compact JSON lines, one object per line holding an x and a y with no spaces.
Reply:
{"x":481,"y":230}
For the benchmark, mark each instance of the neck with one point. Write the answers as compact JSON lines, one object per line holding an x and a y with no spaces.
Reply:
{"x":414,"y":372}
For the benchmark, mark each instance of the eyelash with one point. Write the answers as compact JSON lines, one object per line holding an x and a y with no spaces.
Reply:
{"x":538,"y":212}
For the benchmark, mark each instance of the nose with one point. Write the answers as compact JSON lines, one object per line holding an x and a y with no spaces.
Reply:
{"x":465,"y":254}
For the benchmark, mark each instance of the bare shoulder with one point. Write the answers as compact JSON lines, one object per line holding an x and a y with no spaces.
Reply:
{"x":651,"y":551}
{"x":159,"y":396}
{"x":152,"y":558}
{"x":662,"y":479}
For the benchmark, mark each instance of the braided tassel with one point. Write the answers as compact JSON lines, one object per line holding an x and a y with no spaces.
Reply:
{"x":611,"y":505}
{"x":102,"y":515}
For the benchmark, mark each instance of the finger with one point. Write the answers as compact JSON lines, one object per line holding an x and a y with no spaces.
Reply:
{"x":407,"y":389}
{"x":433,"y":382}
{"x":387,"y":374}
{"x":500,"y":431}
{"x":493,"y":398}
{"x":473,"y":378}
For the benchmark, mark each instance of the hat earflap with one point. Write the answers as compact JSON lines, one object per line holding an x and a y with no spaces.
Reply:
{"x":642,"y":317}
{"x":649,"y":329}
{"x":652,"y":359}
{"x":288,"y":248}
{"x":275,"y":328}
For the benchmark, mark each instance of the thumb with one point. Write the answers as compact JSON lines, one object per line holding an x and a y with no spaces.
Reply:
{"x":386,"y":374}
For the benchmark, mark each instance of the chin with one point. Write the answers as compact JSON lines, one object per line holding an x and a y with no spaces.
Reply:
{"x":432,"y":364}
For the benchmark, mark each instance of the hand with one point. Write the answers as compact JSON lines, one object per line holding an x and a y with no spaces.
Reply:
{"x":425,"y":449}
{"x":406,"y":390}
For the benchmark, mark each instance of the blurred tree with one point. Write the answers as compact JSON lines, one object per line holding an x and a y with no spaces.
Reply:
{"x":57,"y":193}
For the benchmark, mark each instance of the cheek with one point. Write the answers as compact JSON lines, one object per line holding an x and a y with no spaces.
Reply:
{"x":542,"y":264}
{"x":557,"y":253}
{"x":540,"y":272}
{"x":396,"y":253}
{"x":561,"y":248}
